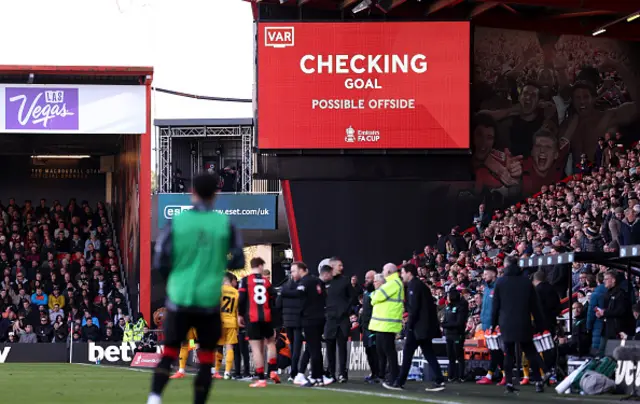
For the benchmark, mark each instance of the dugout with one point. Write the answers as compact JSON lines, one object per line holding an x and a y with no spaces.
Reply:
{"x":84,"y":133}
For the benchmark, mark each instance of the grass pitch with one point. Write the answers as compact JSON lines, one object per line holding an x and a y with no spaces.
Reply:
{"x":95,"y":384}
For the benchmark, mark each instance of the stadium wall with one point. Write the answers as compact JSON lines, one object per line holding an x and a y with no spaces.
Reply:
{"x":369,"y":223}
{"x":23,"y":179}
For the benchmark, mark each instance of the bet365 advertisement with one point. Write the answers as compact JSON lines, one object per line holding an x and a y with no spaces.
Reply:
{"x":363,"y":85}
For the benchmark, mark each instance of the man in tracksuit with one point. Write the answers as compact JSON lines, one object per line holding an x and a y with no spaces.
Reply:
{"x":292,"y":321}
{"x":193,"y":253}
{"x":497,"y":356}
{"x":340,"y":298}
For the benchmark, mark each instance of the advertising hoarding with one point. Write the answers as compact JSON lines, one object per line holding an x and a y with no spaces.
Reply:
{"x":246,"y":211}
{"x":363,"y":85}
{"x":89,"y":109}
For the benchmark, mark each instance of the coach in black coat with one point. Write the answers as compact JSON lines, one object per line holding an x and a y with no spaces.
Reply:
{"x":514,"y":302}
{"x":422,"y":325}
{"x":422,"y":310}
{"x":549,"y":300}
{"x":290,"y":301}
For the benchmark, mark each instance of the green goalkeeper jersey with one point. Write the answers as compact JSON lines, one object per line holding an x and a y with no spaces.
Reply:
{"x":193,"y":253}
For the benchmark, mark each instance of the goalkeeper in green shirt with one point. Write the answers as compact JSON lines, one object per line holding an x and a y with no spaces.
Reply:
{"x":193,"y":253}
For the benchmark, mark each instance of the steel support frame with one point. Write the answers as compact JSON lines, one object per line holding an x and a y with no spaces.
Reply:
{"x":245,"y":133}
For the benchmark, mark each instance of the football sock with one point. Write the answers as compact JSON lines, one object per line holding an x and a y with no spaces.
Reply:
{"x":489,"y":375}
{"x":272,"y":365}
{"x":260,"y":373}
{"x":203,"y":381}
{"x":161,"y":374}
{"x":229,"y":361}
{"x":184,"y":355}
{"x":218,"y":361}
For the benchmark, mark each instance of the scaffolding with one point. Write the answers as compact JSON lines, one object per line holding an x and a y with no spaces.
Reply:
{"x":199,"y":129}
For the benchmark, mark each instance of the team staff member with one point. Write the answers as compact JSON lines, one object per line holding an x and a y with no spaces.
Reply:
{"x":514,"y":302}
{"x":368,"y":337}
{"x":386,"y":321}
{"x":313,"y":294}
{"x":341,"y":297}
{"x":191,"y":253}
{"x":422,"y":327}
{"x":497,"y":356}
{"x":291,"y":303}
{"x":551,"y":307}
{"x":257,"y":297}
{"x":229,"y":315}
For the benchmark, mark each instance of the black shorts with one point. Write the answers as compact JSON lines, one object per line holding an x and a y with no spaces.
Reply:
{"x":259,"y":331}
{"x":177,"y":324}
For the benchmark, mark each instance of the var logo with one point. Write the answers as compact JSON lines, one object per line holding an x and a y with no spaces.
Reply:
{"x":4,"y":353}
{"x":113,"y":353}
{"x":278,"y":37}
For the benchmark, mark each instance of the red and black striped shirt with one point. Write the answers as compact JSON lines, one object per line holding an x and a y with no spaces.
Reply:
{"x":256,"y":294}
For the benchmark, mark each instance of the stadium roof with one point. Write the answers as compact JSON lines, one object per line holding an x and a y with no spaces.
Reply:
{"x":580,"y":17}
{"x":203,"y":122}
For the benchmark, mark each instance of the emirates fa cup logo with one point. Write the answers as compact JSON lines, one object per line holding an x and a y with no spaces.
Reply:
{"x":350,"y":138}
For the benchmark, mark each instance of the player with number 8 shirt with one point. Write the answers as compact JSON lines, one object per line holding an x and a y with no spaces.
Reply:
{"x":257,"y":297}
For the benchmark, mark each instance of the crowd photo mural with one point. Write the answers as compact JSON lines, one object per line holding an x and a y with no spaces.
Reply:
{"x":547,"y":107}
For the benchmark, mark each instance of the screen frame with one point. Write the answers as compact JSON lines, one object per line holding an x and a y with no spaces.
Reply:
{"x":258,"y":25}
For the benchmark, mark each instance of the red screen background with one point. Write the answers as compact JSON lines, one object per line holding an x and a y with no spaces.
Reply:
{"x":440,"y":119}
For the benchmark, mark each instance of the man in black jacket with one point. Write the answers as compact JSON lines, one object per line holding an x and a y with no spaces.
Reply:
{"x":616,"y":310}
{"x":313,"y":294}
{"x":291,"y":318}
{"x":514,"y":301}
{"x":551,"y":307}
{"x":369,"y":337}
{"x":422,"y":326}
{"x":340,"y":298}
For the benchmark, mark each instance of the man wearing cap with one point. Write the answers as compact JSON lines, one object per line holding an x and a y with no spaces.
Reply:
{"x":594,"y":240}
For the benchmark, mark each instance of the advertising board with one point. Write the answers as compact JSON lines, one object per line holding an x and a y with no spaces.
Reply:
{"x":89,"y":109}
{"x":365,"y":85}
{"x":246,"y":211}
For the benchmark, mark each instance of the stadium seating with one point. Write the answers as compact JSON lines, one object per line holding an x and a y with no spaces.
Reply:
{"x":59,"y":264}
{"x":594,"y":210}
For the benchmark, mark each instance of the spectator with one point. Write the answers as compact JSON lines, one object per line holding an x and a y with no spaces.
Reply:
{"x":90,"y":332}
{"x":630,"y":228}
{"x":579,"y":341}
{"x":60,"y":333}
{"x":44,"y":331}
{"x":28,"y":336}
{"x":56,"y":299}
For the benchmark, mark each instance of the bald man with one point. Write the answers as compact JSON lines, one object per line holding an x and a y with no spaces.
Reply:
{"x":369,"y":337}
{"x":386,"y":321}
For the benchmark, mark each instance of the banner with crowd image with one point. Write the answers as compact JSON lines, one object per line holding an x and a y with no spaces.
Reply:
{"x":541,"y":103}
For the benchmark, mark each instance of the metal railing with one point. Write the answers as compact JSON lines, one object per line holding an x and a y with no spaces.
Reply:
{"x":123,"y":276}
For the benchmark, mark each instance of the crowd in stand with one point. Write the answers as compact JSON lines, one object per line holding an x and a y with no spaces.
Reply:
{"x":59,"y":274}
{"x":595,"y":211}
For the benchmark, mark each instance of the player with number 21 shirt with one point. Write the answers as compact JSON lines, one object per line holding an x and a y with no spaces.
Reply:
{"x":256,"y":300}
